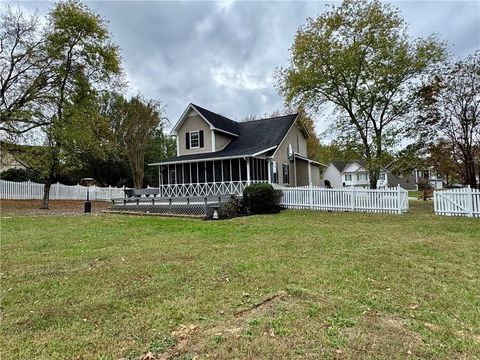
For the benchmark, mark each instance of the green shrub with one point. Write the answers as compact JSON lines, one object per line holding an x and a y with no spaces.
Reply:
{"x":261,"y":198}
{"x":20,"y":175}
{"x":230,"y":209}
{"x":327,"y":183}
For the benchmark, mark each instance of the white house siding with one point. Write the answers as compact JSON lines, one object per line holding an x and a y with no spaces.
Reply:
{"x":334,"y":176}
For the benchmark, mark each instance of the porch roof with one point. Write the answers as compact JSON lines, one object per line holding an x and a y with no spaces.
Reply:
{"x":218,"y":155}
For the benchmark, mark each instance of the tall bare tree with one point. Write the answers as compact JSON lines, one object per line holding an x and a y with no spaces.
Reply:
{"x":25,"y":76}
{"x":449,"y":111}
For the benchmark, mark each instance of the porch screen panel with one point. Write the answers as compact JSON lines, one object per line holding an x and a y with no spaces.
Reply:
{"x":179,"y":171}
{"x":235,"y":170}
{"x":226,"y":170}
{"x":186,"y":173}
{"x":209,"y":171}
{"x":252,"y":169}
{"x":243,"y":170}
{"x":193,"y":168}
{"x":165,"y":175}
{"x":265,"y":169}
{"x":201,"y":172}
{"x":218,"y":170}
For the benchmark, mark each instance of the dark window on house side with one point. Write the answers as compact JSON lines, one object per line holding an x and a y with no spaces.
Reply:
{"x":286,"y":174}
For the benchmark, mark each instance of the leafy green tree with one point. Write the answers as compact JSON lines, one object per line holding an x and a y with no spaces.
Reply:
{"x":160,"y":147}
{"x":134,"y":124}
{"x":83,"y":60}
{"x":359,"y":57}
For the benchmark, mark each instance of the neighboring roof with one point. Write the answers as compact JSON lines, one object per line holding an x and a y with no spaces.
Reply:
{"x":218,"y":121}
{"x":339,"y":164}
{"x":254,"y":137}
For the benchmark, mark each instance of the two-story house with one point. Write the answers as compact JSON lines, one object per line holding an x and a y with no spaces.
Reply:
{"x":228,"y":155}
{"x":354,"y":173}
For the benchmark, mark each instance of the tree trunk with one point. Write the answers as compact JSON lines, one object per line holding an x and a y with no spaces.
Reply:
{"x":471,"y":179}
{"x":46,"y":193}
{"x":373,"y":179}
{"x":49,"y":181}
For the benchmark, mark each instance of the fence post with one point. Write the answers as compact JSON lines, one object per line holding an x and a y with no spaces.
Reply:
{"x":469,"y":194}
{"x":109,"y":192}
{"x":29,"y":192}
{"x":399,"y":199}
{"x":94,"y":197}
{"x":311,"y":195}
{"x":57,"y":186}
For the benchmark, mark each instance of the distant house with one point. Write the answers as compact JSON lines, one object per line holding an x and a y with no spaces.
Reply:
{"x":354,"y":173}
{"x":9,"y":157}
{"x":215,"y":151}
{"x":428,"y":176}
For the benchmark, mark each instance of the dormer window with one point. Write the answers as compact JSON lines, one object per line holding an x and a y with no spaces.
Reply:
{"x":194,"y":140}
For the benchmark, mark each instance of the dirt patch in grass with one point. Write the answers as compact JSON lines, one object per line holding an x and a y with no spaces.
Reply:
{"x":57,"y":207}
{"x":367,"y":338}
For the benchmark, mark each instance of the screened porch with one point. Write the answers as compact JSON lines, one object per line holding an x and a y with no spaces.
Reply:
{"x":212,"y":177}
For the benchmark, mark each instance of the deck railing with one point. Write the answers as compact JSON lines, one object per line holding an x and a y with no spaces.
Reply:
{"x":204,"y":189}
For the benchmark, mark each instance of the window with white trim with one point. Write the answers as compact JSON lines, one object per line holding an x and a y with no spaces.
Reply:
{"x":194,"y":139}
{"x":348,"y":177}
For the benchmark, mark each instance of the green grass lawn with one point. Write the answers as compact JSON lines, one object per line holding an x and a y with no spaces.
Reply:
{"x":312,"y":284}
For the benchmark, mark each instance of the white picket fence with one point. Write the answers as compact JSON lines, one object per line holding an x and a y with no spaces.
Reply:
{"x":457,"y":202}
{"x":29,"y":190}
{"x":390,"y":200}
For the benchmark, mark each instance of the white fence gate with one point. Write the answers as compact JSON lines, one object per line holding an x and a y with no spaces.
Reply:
{"x":33,"y":191}
{"x":390,"y":200}
{"x":457,"y":202}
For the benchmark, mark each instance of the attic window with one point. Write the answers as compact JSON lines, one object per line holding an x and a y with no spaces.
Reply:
{"x":194,"y":139}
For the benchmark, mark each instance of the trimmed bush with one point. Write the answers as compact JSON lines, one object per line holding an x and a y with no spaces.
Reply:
{"x":230,"y":209}
{"x":261,"y":198}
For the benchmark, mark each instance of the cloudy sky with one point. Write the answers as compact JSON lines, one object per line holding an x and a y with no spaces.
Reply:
{"x":222,"y":55}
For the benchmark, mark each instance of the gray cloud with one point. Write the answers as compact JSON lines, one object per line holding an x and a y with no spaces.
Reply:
{"x":223,"y":55}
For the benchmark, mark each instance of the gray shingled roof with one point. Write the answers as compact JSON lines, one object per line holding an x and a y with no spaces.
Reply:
{"x":253,"y":137}
{"x":218,"y":121}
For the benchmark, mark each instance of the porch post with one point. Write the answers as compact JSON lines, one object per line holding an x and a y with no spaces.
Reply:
{"x":206,"y":181}
{"x":213,"y":140}
{"x":168,"y":174}
{"x":269,"y":172}
{"x":309,"y":174}
{"x":248,"y":171}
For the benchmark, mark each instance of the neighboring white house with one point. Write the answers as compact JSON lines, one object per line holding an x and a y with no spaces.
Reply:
{"x":353,"y":173}
{"x":428,"y":176}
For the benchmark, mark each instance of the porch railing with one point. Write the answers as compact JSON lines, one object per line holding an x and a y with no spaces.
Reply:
{"x":204,"y":189}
